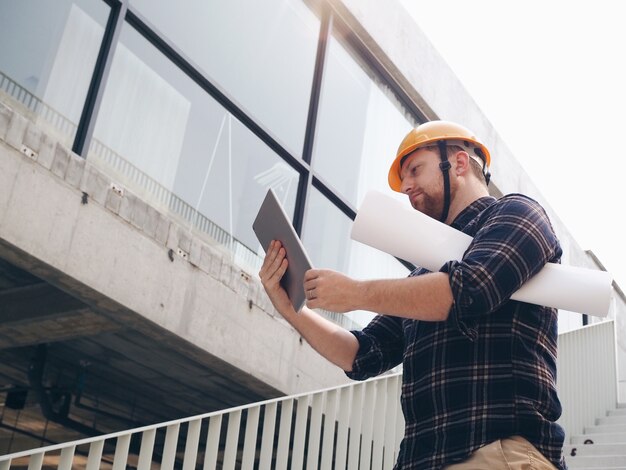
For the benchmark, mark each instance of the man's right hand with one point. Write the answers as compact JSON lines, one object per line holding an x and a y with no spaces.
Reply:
{"x":274,"y":267}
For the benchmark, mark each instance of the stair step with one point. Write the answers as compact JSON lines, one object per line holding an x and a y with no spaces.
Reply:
{"x":596,"y":462}
{"x":606,"y":428}
{"x":583,"y":450}
{"x":606,"y":448}
{"x":598,"y":468}
{"x":619,"y":419}
{"x":601,"y":438}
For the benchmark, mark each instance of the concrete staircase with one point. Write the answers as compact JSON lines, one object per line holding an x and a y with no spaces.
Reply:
{"x":601,"y":447}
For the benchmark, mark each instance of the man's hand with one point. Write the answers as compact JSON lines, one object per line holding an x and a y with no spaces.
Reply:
{"x":330,"y":290}
{"x":274,"y":268}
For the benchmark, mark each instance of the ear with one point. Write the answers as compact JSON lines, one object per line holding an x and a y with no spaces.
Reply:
{"x":460,"y":163}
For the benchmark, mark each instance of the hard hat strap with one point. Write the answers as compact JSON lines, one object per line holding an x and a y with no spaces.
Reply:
{"x":483,"y":159}
{"x":445,"y":168}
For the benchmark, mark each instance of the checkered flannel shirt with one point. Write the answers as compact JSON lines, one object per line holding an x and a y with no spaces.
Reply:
{"x":489,"y":370}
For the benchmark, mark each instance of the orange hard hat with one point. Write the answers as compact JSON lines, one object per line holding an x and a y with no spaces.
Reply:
{"x":430,"y":133}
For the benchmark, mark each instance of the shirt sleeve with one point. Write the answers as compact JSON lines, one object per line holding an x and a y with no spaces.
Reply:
{"x":381,"y":347}
{"x":513,"y":244}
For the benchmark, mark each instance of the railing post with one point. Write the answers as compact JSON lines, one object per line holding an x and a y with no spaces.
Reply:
{"x":232,"y":436}
{"x":169,"y":447}
{"x":399,"y":423}
{"x":343,"y":426}
{"x":299,"y":433}
{"x":284,"y":433}
{"x":191,"y":447}
{"x":368,"y":423}
{"x":330,"y":415}
{"x":269,"y":422}
{"x":390,"y":421}
{"x":212,"y":442}
{"x":145,"y":452}
{"x":35,"y":461}
{"x":356,"y":419}
{"x":379,"y":424}
{"x":67,"y":456}
{"x":314,"y":431}
{"x":95,"y":455}
{"x":249,"y":443}
{"x":121,"y":452}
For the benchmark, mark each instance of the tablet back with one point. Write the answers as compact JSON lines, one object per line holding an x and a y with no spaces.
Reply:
{"x":272,"y":223}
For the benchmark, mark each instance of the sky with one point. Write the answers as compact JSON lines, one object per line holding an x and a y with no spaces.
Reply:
{"x":551,"y":78}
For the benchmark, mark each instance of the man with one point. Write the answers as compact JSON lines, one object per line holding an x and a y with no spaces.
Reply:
{"x":479,"y":370}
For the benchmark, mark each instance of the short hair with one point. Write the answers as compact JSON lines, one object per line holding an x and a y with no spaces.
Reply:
{"x":475,"y":166}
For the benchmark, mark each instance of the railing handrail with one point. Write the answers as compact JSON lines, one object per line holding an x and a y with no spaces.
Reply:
{"x":32,"y":97}
{"x":165,"y":424}
{"x":592,"y":336}
{"x":589,"y":326}
{"x":587,"y":375}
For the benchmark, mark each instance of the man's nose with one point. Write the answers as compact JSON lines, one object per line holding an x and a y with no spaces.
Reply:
{"x":405,"y":185}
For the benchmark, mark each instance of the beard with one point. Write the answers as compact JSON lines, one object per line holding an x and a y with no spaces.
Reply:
{"x":430,"y":202}
{"x":429,"y":205}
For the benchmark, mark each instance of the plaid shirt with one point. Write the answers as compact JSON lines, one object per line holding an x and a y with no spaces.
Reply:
{"x":489,"y":371}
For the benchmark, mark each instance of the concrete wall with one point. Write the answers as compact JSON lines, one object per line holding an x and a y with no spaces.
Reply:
{"x":113,"y":252}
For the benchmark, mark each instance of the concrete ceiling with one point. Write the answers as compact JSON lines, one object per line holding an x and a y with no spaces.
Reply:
{"x":68,"y":371}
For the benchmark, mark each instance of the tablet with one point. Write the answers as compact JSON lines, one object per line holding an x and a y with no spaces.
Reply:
{"x":272,"y":223}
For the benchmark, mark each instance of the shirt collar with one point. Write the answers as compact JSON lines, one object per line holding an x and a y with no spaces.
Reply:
{"x":470,"y":212}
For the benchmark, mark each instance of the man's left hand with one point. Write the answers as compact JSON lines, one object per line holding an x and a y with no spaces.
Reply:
{"x":330,"y":290}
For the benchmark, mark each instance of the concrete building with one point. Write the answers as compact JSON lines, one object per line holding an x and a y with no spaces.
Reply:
{"x":137,"y":139}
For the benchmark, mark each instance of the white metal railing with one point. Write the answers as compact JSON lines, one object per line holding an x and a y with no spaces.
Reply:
{"x":290,"y":432}
{"x":587,"y":375}
{"x":36,"y":106}
{"x":296,"y":431}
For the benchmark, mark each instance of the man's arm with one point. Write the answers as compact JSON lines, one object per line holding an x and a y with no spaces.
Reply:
{"x":334,"y":343}
{"x":329,"y":340}
{"x":514,"y":243}
{"x":427,"y":297}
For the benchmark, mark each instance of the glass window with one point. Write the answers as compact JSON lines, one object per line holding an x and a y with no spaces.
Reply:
{"x":48,"y":49}
{"x":326,"y":237}
{"x":261,"y":53}
{"x":359,"y":126}
{"x":174,"y":145}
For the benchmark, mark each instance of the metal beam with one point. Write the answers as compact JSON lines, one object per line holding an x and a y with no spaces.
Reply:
{"x":26,"y":304}
{"x":40,"y":313}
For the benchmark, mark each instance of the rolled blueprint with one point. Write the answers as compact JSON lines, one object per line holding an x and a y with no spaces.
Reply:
{"x":396,"y":228}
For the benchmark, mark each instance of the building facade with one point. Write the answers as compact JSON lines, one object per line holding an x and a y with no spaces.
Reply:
{"x":138,"y":139}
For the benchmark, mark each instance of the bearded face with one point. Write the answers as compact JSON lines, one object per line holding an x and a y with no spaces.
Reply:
{"x":422,"y":182}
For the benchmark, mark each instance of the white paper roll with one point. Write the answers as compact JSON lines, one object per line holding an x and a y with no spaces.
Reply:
{"x":395,"y":228}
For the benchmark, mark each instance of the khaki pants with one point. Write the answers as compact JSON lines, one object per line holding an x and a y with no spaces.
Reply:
{"x":514,"y":453}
